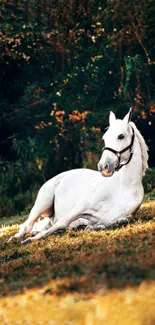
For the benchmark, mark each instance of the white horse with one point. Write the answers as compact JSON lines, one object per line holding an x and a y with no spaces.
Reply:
{"x":95,"y":199}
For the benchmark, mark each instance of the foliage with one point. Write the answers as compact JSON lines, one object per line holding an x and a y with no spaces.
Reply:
{"x":64,"y":65}
{"x":92,"y":276}
{"x":17,"y":191}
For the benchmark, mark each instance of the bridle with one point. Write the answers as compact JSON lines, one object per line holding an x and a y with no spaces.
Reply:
{"x":119,"y":153}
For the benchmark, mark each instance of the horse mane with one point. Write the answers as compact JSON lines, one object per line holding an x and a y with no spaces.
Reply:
{"x":143,"y":146}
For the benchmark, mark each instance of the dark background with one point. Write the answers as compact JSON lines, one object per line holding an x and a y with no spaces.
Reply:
{"x":63,"y":66}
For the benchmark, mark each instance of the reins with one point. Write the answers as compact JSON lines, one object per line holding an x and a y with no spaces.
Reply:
{"x":118,"y":153}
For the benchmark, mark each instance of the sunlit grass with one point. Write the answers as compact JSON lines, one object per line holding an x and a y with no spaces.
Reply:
{"x":85,"y":278}
{"x":126,"y":307}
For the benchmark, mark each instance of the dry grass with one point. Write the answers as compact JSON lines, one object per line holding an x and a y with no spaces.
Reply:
{"x":84,"y":278}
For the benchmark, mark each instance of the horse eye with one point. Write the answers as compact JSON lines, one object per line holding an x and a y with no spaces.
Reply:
{"x":121,"y":136}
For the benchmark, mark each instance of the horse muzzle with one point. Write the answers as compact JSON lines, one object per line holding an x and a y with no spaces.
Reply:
{"x":106,"y":170}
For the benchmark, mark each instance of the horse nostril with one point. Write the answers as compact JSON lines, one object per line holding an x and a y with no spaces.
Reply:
{"x":103,"y":167}
{"x":106,"y":166}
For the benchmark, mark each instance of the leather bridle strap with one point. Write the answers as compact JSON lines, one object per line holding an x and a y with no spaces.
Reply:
{"x":118,"y":153}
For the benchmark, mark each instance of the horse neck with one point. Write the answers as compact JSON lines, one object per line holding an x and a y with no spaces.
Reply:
{"x":131,"y":174}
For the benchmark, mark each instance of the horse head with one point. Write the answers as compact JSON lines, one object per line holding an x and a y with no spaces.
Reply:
{"x":119,"y":140}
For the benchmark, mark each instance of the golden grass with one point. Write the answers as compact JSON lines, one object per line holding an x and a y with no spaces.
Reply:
{"x":126,"y":307}
{"x":84,"y":278}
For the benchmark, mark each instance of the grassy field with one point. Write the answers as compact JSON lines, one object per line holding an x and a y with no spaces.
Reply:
{"x":78,"y":277}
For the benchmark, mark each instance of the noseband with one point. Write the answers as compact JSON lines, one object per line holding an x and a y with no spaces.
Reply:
{"x":119,"y":153}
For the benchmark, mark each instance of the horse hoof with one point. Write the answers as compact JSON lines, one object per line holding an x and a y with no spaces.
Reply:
{"x":10,"y":239}
{"x":95,"y":228}
{"x":26,"y":241}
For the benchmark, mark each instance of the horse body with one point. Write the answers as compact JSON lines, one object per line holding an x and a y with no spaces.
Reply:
{"x":86,"y":197}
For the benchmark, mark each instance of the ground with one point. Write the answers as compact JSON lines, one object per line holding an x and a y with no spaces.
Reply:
{"x":79,"y":277}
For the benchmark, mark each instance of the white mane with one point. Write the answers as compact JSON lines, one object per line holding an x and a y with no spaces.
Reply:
{"x":143,"y":146}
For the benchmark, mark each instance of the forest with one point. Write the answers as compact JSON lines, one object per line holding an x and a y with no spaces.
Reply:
{"x":64,"y":65}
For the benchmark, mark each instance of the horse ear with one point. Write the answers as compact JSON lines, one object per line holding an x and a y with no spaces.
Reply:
{"x":112,"y":118}
{"x":128,"y":116}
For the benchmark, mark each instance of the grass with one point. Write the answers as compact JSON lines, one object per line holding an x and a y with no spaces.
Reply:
{"x":78,"y":277}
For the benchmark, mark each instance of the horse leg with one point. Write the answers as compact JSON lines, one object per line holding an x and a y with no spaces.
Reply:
{"x":98,"y":227}
{"x":43,"y":204}
{"x":60,"y":224}
{"x":95,"y":227}
{"x":27,"y":226}
{"x":41,"y":225}
{"x":117,"y":215}
{"x":123,"y":221}
{"x":78,"y":223}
